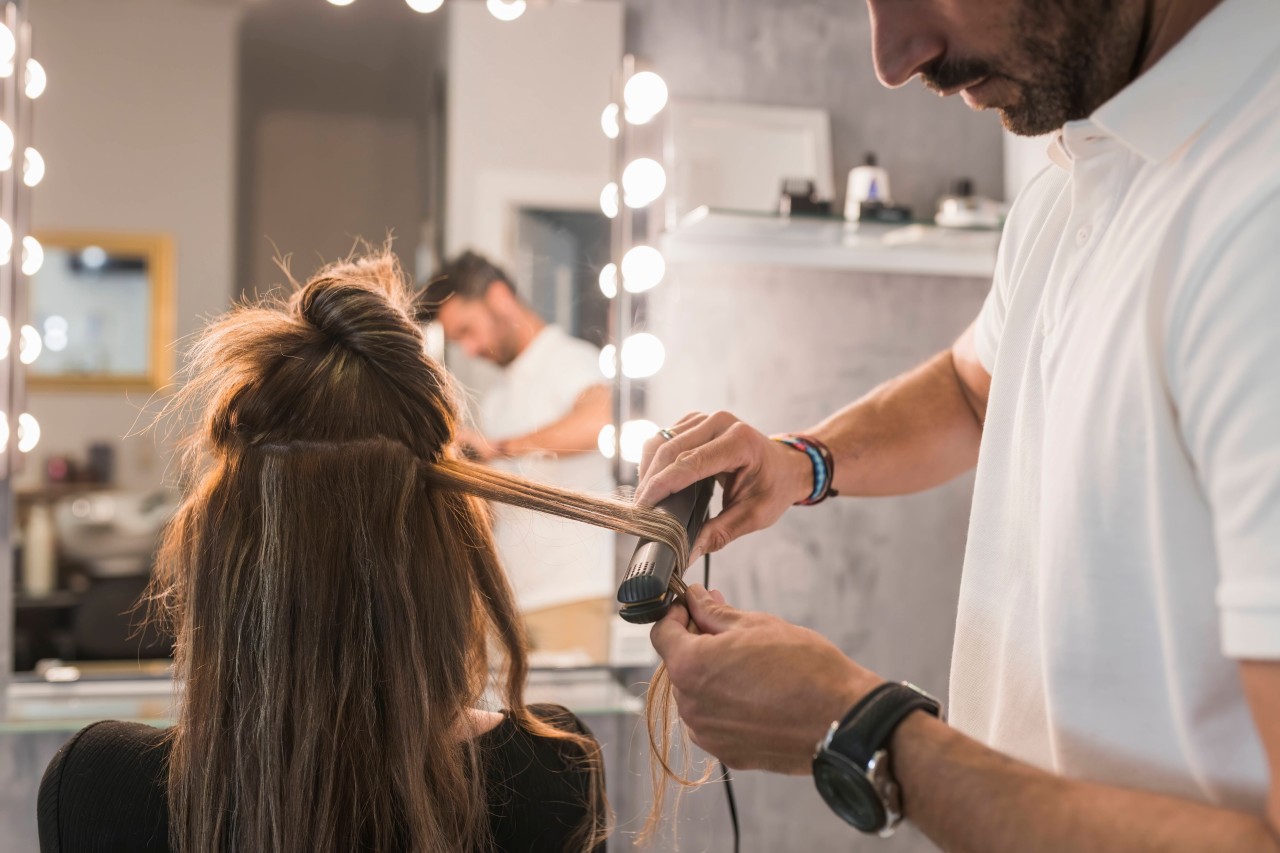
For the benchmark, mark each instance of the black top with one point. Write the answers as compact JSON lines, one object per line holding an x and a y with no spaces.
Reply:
{"x":105,"y":789}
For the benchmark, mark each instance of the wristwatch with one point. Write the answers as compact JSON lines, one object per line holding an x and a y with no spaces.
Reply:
{"x":851,"y":765}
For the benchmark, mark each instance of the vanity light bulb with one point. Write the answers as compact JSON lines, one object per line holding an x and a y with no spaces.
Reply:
{"x":4,"y":432}
{"x":28,"y":432}
{"x":607,"y":366}
{"x":609,"y":281}
{"x":6,"y":338}
{"x":36,"y":79}
{"x":426,"y":7}
{"x":609,"y":200}
{"x":642,"y":355}
{"x":55,"y":333}
{"x":6,"y":147}
{"x":605,"y":441}
{"x":643,"y":182}
{"x":32,"y":167}
{"x":29,"y":344}
{"x":609,"y":122}
{"x":642,"y":269}
{"x":8,"y":47}
{"x":634,"y":435}
{"x":6,"y":242}
{"x":342,"y":2}
{"x":506,"y":10}
{"x":32,"y":255}
{"x":645,"y":95}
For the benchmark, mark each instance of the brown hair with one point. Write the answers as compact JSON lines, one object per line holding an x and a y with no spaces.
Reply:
{"x":468,"y":276}
{"x":332,"y":585}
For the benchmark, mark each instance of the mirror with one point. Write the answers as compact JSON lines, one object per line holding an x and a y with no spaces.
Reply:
{"x":103,"y":306}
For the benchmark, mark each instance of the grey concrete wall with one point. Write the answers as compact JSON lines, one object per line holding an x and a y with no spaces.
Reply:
{"x":782,"y":348}
{"x":817,"y":53}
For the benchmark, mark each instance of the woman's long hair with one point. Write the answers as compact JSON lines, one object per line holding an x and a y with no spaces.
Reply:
{"x":333,"y":588}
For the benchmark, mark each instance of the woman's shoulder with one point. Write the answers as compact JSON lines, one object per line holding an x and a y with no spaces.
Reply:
{"x":108,"y":773}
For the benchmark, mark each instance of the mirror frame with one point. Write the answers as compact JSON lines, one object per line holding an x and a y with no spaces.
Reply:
{"x":158,"y":250}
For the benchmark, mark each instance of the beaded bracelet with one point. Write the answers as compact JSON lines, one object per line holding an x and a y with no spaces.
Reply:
{"x":824,"y":466}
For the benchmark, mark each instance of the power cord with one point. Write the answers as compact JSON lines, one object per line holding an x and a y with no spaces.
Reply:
{"x":724,"y":771}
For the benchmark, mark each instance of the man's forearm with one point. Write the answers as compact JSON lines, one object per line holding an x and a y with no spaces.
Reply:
{"x":911,"y":433}
{"x":967,"y":797}
{"x":576,"y":432}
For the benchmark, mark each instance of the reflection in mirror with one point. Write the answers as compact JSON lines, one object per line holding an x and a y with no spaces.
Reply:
{"x":102,"y":307}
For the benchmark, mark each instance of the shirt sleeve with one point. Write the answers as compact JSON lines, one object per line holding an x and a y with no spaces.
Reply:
{"x":1224,"y":351}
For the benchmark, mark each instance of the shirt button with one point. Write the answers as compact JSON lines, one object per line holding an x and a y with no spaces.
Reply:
{"x":1083,"y":235}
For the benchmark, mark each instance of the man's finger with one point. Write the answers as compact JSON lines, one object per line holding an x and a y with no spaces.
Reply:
{"x":711,"y":452}
{"x":651,"y":447}
{"x":708,"y":615}
{"x":670,"y":634}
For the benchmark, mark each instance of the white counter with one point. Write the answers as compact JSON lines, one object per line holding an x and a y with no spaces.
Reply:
{"x":706,"y":236}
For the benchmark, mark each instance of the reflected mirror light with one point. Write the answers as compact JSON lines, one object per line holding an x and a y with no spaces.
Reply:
{"x":55,"y":333}
{"x":605,"y":441}
{"x":426,"y":7}
{"x":506,"y":10}
{"x":609,"y":281}
{"x":6,"y":242}
{"x":29,"y":344}
{"x":643,"y":181}
{"x":6,"y":338}
{"x":607,"y":357}
{"x":94,"y":257}
{"x":609,"y":122}
{"x":642,"y":269}
{"x":342,"y":2}
{"x":36,"y":79}
{"x":6,"y":147}
{"x":32,"y":255}
{"x":634,"y":435}
{"x":29,"y":432}
{"x":32,"y":167}
{"x":609,"y":200}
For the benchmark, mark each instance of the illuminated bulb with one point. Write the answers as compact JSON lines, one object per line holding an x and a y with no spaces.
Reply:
{"x":4,"y":432}
{"x":609,"y":122}
{"x":645,"y":95}
{"x":6,"y":338}
{"x":36,"y":79}
{"x":8,"y":47}
{"x":634,"y":435}
{"x":642,"y":269}
{"x":642,"y":182}
{"x":32,"y":167}
{"x":607,"y":367}
{"x":94,"y":257}
{"x":506,"y":10}
{"x":29,"y":433}
{"x":426,"y":7}
{"x":32,"y":255}
{"x":6,"y":242}
{"x":605,"y":441}
{"x":6,"y":147}
{"x":342,"y":2}
{"x":609,"y":200}
{"x":29,"y":344}
{"x":642,"y":355}
{"x":55,"y":333}
{"x":609,"y":281}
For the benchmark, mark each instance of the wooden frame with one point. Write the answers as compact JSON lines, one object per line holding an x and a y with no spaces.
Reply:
{"x":158,"y":250}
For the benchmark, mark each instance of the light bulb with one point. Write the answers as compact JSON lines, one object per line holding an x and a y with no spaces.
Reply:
{"x":36,"y":79}
{"x":6,"y":338}
{"x":642,"y":182}
{"x":55,"y":333}
{"x":642,"y":355}
{"x":32,"y":255}
{"x":609,"y":122}
{"x":506,"y":10}
{"x":6,"y":147}
{"x":342,"y":2}
{"x":4,"y":432}
{"x":32,"y":167}
{"x":29,"y":432}
{"x":609,"y":200}
{"x":29,"y":344}
{"x":93,"y":257}
{"x":8,"y":47}
{"x":634,"y":435}
{"x":609,"y":281}
{"x":426,"y":7}
{"x":645,"y":95}
{"x":605,"y":440}
{"x":6,"y":242}
{"x":642,"y":269}
{"x":607,"y":356}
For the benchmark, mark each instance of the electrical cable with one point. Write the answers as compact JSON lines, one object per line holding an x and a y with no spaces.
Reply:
{"x":724,"y":771}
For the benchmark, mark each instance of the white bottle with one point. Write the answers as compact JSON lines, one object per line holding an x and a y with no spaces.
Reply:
{"x":867,"y":182}
{"x":39,"y":557}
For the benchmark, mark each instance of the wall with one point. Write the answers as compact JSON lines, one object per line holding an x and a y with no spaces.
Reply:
{"x":137,"y":128}
{"x":817,"y":53}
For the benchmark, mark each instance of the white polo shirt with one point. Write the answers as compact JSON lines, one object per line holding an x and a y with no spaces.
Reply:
{"x":550,"y":561}
{"x":1124,"y":547}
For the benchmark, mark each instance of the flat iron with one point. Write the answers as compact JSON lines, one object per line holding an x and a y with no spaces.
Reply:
{"x":653,"y":580}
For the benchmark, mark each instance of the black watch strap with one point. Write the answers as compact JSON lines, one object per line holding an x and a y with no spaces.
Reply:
{"x":869,"y":725}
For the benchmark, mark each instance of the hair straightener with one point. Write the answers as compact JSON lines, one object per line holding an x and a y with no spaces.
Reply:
{"x":653,"y":580}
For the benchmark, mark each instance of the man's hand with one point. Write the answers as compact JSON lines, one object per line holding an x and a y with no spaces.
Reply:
{"x":754,"y":691}
{"x":761,"y":477}
{"x":477,"y":446}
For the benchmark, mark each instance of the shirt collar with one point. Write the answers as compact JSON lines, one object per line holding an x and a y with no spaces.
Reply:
{"x":1161,"y":111}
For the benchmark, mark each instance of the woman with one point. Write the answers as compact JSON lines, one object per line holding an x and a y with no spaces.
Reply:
{"x":338,"y":610}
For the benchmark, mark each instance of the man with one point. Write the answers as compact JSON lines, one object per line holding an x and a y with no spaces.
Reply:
{"x":1116,"y":673}
{"x":540,"y":419}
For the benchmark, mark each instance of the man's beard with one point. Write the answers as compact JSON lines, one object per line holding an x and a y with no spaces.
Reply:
{"x":1072,"y":66}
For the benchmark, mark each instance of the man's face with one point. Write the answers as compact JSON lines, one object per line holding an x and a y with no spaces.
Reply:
{"x":1041,"y":63}
{"x":478,"y":328}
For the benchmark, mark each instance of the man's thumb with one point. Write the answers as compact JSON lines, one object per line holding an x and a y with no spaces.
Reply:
{"x":711,"y":616}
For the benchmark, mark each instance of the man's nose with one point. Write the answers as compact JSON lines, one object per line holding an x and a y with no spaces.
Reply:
{"x":905,"y":40}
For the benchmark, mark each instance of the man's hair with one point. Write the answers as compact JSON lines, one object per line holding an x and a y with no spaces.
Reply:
{"x":468,"y":276}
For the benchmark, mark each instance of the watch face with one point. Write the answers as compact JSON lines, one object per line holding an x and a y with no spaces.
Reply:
{"x":848,"y":793}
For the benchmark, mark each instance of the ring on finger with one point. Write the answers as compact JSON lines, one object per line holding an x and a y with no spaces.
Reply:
{"x":667,"y":434}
